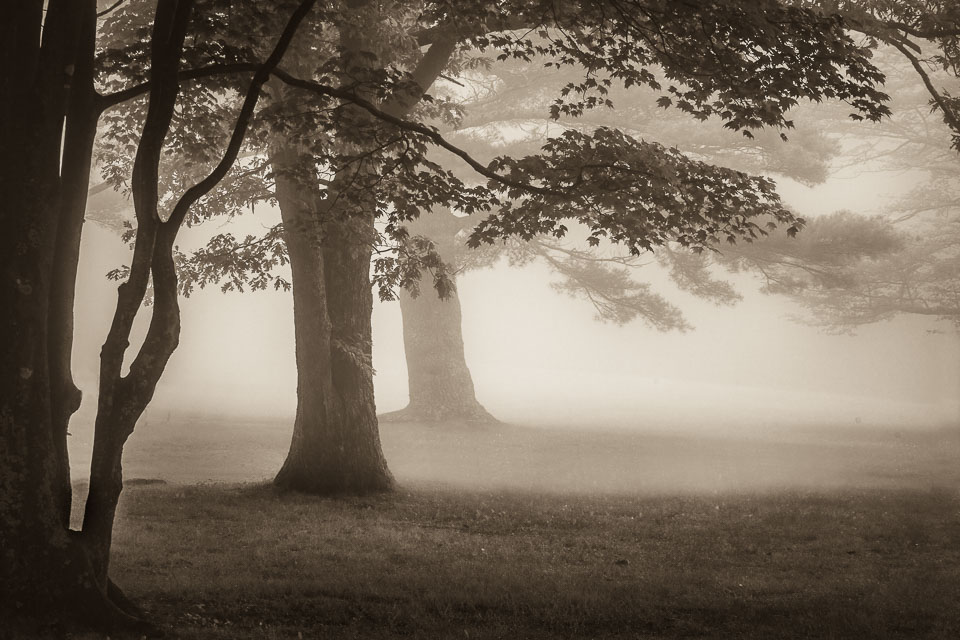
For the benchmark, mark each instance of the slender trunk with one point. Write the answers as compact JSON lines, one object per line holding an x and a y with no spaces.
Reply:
{"x":122,"y":398}
{"x":83,"y":114}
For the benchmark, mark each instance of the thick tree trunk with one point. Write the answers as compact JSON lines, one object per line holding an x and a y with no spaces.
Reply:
{"x":336,"y":442}
{"x":440,"y":385}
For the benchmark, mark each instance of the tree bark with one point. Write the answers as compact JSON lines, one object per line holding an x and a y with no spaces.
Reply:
{"x":46,"y":576}
{"x":336,"y":441}
{"x":440,"y":385}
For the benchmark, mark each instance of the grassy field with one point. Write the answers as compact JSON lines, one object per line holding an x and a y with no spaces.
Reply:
{"x":523,"y":533}
{"x":242,"y":562}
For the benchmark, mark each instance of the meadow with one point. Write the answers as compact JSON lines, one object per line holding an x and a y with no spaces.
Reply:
{"x":518,"y":532}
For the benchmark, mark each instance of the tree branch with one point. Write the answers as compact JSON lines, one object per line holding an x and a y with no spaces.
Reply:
{"x":952,"y":118}
{"x":113,"y":99}
{"x":110,"y":8}
{"x":261,"y":76}
{"x":415,"y":127}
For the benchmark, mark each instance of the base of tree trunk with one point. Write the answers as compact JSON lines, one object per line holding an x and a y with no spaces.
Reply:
{"x":73,"y":604}
{"x":319,"y":469}
{"x":318,"y":483}
{"x":475,"y":414}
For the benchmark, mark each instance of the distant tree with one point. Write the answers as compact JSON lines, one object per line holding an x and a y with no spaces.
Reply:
{"x":49,"y":111}
{"x":853,"y":269}
{"x":506,"y":111}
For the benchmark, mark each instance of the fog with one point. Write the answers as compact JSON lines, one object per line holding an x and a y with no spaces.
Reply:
{"x":540,"y":360}
{"x":539,"y":356}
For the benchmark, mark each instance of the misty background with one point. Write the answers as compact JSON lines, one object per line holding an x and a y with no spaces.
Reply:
{"x":540,"y":358}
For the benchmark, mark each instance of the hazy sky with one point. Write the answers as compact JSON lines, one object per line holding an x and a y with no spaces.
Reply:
{"x":538,"y":356}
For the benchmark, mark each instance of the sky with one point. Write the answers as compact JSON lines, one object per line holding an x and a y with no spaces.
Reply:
{"x":540,"y":358}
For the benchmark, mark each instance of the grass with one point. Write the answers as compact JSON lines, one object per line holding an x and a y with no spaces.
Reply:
{"x":243,"y":562}
{"x":868,"y":548}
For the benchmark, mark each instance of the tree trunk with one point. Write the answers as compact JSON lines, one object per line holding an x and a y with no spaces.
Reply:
{"x":46,"y":577}
{"x":336,"y":442}
{"x":440,"y":385}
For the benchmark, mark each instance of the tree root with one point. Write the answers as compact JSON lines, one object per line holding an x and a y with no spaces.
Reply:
{"x":122,"y":602}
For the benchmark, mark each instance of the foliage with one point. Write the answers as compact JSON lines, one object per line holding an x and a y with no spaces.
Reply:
{"x":850,"y":270}
{"x":745,"y":63}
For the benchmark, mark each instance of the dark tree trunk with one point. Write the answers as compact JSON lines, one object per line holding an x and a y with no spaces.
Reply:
{"x":83,"y":114}
{"x":440,"y":385}
{"x":51,"y":576}
{"x":336,"y":442}
{"x":46,"y":574}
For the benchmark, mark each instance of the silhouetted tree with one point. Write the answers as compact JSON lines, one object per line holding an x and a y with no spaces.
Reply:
{"x":50,"y":110}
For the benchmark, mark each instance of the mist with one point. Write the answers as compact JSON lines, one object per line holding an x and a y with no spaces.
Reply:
{"x":750,"y":398}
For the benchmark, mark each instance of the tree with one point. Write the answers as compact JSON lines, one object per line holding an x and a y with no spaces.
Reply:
{"x":439,"y":381}
{"x":852,"y":269}
{"x":513,"y":97}
{"x":745,"y":63}
{"x":847,"y":269}
{"x":50,"y":112}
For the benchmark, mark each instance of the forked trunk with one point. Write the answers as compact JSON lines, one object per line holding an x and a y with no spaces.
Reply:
{"x":51,"y":576}
{"x":47,"y":580}
{"x":336,"y":443}
{"x":47,"y":574}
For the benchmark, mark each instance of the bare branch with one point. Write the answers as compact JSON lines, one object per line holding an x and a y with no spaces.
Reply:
{"x":110,"y":8}
{"x":951,"y":117}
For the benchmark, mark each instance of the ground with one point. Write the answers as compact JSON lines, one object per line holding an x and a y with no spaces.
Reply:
{"x":532,"y":533}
